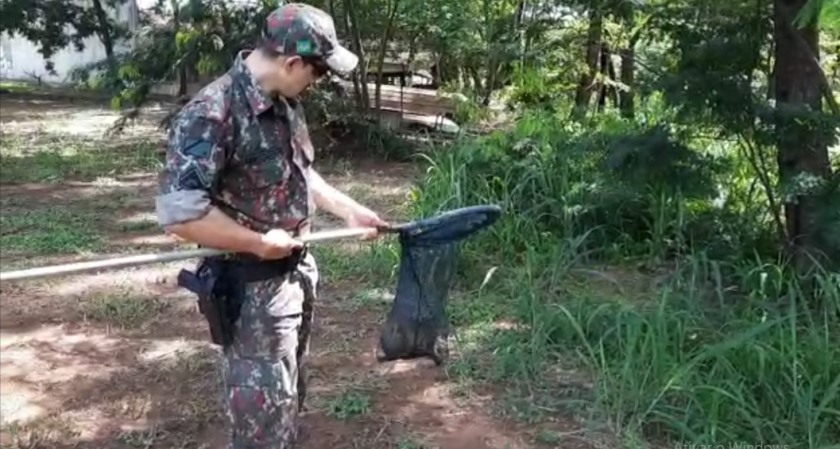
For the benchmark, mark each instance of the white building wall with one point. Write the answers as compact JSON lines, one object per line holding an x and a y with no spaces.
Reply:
{"x":20,"y":59}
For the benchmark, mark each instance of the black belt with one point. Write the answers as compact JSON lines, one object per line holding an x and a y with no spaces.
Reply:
{"x":219,"y":285}
{"x":251,"y":268}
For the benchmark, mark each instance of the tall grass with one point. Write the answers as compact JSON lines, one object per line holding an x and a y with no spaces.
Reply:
{"x":722,"y":346}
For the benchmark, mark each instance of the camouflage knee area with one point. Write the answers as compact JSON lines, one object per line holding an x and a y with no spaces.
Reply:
{"x":262,"y":403}
{"x":263,"y":376}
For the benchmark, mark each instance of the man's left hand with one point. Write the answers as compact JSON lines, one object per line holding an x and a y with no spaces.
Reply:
{"x":362,"y":217}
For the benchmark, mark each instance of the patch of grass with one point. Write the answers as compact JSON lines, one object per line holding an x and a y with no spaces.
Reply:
{"x":144,"y":438}
{"x":362,"y":193}
{"x":677,"y":366}
{"x":539,"y":383}
{"x":722,"y":344}
{"x":18,"y":87}
{"x":338,"y":164}
{"x":9,"y":202}
{"x":138,"y":226}
{"x":469,"y":358}
{"x":124,"y":310}
{"x":467,"y":308}
{"x":411,"y":442}
{"x":546,"y":436}
{"x":48,"y":231}
{"x":54,"y":159}
{"x":371,"y":265}
{"x":118,"y":199}
{"x":198,"y":404}
{"x":344,"y":343}
{"x":349,"y":404}
{"x":42,"y":433}
{"x":180,"y":388}
{"x":48,"y":89}
{"x":369,"y":299}
{"x":541,"y":403}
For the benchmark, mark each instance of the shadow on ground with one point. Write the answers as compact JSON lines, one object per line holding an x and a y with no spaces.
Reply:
{"x":115,"y":360}
{"x":121,"y":359}
{"x":155,"y":395}
{"x":104,"y":367}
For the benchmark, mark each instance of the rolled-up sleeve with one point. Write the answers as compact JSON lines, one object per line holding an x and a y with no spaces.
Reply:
{"x":195,"y":155}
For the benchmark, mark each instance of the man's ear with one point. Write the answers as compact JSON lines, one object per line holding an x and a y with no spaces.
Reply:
{"x":292,"y":61}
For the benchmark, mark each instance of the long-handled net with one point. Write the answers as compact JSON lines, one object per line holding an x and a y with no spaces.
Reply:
{"x":418,"y":325}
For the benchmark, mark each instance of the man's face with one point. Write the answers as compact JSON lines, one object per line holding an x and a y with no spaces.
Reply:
{"x":296,"y":74}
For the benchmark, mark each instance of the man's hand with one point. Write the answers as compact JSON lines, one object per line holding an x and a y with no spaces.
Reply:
{"x":277,"y":244}
{"x":362,"y":217}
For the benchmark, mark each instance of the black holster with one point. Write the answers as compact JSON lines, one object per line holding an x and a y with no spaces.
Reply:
{"x":219,"y":282}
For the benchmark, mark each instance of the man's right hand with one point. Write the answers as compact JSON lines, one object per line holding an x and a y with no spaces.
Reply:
{"x":217,"y":230}
{"x":277,"y":244}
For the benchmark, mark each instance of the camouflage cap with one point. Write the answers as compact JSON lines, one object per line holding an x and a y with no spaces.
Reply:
{"x":304,"y":30}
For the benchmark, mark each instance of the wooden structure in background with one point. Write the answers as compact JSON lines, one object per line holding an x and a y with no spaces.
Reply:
{"x":409,"y":100}
{"x":423,"y":107}
{"x":409,"y":95}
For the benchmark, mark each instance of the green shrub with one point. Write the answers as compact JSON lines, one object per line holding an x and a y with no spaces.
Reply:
{"x":723,"y":346}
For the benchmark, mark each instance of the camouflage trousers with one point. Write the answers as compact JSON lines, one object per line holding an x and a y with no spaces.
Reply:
{"x":263,"y":369}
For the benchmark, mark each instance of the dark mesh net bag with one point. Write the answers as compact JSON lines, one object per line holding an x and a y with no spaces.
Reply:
{"x":417,"y":325}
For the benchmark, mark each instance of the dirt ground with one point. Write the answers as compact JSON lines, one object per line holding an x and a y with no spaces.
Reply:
{"x":122,"y":359}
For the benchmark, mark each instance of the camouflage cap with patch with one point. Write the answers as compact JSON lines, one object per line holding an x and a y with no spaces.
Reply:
{"x":304,"y":30}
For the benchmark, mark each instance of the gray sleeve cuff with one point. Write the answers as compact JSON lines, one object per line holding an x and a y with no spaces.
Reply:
{"x":181,"y":206}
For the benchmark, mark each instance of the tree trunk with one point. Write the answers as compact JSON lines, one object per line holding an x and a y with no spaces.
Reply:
{"x":490,"y":81}
{"x":626,"y":95}
{"x":182,"y":69}
{"x":104,"y":32}
{"x":356,"y":44}
{"x":613,"y":90}
{"x":476,"y":78}
{"x":383,"y":48}
{"x":802,"y":150}
{"x":607,"y":72}
{"x":354,"y":76}
{"x":593,"y":49}
{"x":626,"y":98}
{"x":412,"y":55}
{"x":519,"y":30}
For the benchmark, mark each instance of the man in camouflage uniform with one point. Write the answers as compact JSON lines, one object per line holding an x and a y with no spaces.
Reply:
{"x":239,"y":177}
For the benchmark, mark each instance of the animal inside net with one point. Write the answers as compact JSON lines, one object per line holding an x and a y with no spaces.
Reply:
{"x":418,"y":325}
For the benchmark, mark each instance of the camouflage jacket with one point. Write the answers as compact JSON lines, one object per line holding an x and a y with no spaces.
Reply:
{"x":238,"y":149}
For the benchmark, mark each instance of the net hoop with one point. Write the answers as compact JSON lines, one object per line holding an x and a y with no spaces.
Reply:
{"x":450,"y":226}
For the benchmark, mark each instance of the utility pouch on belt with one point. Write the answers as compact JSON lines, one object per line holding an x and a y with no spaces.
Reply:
{"x":220,"y":286}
